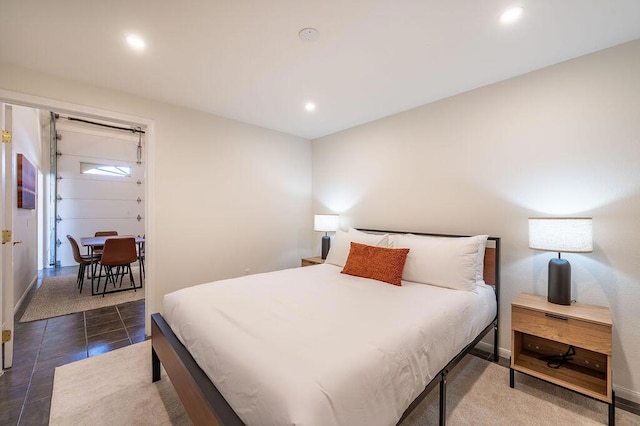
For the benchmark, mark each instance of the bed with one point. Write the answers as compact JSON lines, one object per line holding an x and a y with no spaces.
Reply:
{"x":316,"y":346}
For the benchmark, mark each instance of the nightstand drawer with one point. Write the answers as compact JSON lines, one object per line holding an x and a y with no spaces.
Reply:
{"x":560,"y":328}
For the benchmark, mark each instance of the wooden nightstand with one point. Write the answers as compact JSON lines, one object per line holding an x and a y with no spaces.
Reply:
{"x":309,"y":261}
{"x":542,"y":329}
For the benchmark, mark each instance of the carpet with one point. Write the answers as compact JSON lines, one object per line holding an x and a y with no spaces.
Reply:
{"x":116,"y":389}
{"x":478,"y":393}
{"x":59,"y":296}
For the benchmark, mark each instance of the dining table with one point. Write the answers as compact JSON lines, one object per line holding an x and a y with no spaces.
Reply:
{"x":92,"y":242}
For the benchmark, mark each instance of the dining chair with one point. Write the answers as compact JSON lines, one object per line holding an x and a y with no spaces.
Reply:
{"x":118,"y":253}
{"x":98,"y":249}
{"x":141,"y":257}
{"x":82,"y":260}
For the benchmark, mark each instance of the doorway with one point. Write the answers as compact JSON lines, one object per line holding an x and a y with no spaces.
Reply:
{"x":99,"y":182}
{"x":46,"y":209}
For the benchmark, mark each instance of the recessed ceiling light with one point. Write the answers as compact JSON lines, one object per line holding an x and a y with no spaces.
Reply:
{"x":135,"y":42}
{"x":511,"y":15}
{"x":310,"y":106}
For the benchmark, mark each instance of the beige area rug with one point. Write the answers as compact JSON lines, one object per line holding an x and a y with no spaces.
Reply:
{"x":116,"y":389}
{"x":59,"y":296}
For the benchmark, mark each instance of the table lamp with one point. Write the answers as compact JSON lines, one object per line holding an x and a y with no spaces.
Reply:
{"x":562,"y":235}
{"x":325,"y":223}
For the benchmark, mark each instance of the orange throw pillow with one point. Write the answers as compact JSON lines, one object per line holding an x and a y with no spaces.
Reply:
{"x":378,"y":263}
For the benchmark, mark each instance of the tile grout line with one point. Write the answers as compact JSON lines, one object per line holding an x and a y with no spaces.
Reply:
{"x":33,"y":370}
{"x":124,"y":325}
{"x":86,"y":337}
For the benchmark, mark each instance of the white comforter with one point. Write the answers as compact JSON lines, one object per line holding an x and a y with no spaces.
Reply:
{"x":312,"y":346}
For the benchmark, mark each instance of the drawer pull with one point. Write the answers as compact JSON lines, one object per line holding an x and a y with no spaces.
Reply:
{"x":560,"y":317}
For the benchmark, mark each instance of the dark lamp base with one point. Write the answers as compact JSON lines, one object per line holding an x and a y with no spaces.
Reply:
{"x":326,"y":244}
{"x":559,"y":283}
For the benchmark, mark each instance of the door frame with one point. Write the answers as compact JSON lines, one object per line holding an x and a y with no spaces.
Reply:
{"x":38,"y":102}
{"x":7,"y":191}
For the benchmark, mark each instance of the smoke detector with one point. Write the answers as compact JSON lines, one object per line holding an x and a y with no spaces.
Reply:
{"x":308,"y":34}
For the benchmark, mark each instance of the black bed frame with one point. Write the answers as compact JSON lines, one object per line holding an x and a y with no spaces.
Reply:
{"x":206,"y":405}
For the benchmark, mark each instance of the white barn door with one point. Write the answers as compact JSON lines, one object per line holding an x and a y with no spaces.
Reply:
{"x":111,"y":200}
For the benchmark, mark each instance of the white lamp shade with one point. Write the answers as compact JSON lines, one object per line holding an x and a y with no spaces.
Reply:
{"x":561,"y":234}
{"x":325,"y":222}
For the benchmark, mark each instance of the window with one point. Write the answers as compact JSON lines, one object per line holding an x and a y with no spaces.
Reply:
{"x":105,"y":169}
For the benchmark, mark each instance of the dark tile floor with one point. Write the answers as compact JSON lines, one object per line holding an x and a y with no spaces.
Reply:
{"x":41,"y":346}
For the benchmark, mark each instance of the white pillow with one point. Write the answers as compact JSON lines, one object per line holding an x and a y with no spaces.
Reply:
{"x":356,"y":232}
{"x":442,"y":261}
{"x":393,"y":240}
{"x":482,"y":245}
{"x":341,"y":244}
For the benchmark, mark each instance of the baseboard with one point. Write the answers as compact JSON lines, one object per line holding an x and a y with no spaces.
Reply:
{"x":488,"y":347}
{"x":24,"y":295}
{"x":627,"y":394}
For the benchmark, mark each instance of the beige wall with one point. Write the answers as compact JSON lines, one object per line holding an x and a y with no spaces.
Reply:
{"x":26,"y":141}
{"x":224,"y":196}
{"x":564,"y":140}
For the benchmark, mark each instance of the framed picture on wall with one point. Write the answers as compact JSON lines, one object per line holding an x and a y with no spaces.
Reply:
{"x":26,"y":184}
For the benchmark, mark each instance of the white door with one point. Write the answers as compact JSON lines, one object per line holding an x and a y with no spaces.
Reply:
{"x":6,"y":253}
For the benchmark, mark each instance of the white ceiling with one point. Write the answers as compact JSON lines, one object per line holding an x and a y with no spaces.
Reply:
{"x":243,"y":59}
